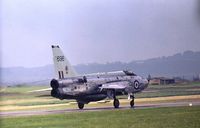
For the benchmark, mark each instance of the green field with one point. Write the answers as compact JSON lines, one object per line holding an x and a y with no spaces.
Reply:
{"x":19,"y":98}
{"x":177,"y":117}
{"x":22,"y":92}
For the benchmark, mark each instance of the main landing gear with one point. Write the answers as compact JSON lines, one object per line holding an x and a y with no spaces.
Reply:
{"x":80,"y":105}
{"x":116,"y":103}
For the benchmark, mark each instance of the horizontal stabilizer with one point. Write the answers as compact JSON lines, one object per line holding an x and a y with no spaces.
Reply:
{"x":41,"y":90}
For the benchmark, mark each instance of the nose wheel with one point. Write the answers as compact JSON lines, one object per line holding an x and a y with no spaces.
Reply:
{"x":132,"y":102}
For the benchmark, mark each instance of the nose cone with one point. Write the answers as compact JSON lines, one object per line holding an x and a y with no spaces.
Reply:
{"x":146,"y":83}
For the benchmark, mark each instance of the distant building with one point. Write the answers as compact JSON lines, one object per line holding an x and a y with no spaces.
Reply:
{"x":196,"y":78}
{"x":179,"y":80}
{"x":161,"y":81}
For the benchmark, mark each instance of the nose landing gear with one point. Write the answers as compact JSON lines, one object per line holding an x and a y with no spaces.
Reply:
{"x":132,"y":102}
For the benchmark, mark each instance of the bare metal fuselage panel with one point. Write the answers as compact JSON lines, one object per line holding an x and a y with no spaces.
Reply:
{"x":96,"y":87}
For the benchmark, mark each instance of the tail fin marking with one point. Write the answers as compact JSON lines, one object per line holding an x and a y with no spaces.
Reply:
{"x":63,"y":68}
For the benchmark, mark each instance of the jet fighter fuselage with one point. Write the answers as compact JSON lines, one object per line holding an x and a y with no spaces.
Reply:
{"x":92,"y":87}
{"x":97,"y":86}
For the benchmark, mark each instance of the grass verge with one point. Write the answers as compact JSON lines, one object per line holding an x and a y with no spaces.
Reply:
{"x":177,"y":117}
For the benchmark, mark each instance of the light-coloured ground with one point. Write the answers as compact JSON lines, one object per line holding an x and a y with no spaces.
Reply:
{"x":12,"y":102}
{"x":11,"y":105}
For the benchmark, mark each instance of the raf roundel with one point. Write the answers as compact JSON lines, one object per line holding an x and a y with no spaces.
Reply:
{"x":136,"y":84}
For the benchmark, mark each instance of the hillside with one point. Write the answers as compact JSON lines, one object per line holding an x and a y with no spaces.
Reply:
{"x":182,"y":64}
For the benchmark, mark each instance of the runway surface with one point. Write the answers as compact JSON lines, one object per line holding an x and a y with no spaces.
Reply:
{"x":138,"y":106}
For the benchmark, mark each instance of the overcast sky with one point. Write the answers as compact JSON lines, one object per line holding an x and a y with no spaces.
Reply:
{"x":96,"y":30}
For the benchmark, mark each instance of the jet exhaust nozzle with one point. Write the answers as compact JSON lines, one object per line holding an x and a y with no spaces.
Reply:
{"x":54,"y":93}
{"x":54,"y":84}
{"x":57,"y":94}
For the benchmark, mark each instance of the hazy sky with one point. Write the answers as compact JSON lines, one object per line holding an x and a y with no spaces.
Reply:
{"x":96,"y":30}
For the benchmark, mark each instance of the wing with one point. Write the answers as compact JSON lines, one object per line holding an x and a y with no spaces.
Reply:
{"x":114,"y":85}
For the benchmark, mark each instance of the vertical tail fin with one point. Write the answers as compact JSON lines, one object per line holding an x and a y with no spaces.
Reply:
{"x":63,"y":68}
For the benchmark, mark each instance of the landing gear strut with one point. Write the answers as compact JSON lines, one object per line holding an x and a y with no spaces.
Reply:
{"x":80,"y":105}
{"x":132,"y":102}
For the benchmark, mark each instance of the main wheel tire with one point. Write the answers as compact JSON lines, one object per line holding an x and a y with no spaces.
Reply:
{"x":132,"y":103}
{"x":116,"y":103}
{"x":80,"y":105}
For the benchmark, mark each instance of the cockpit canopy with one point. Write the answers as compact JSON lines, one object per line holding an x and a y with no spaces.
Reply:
{"x":129,"y":73}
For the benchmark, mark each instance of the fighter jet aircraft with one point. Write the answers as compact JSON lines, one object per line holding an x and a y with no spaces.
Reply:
{"x":92,"y":87}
